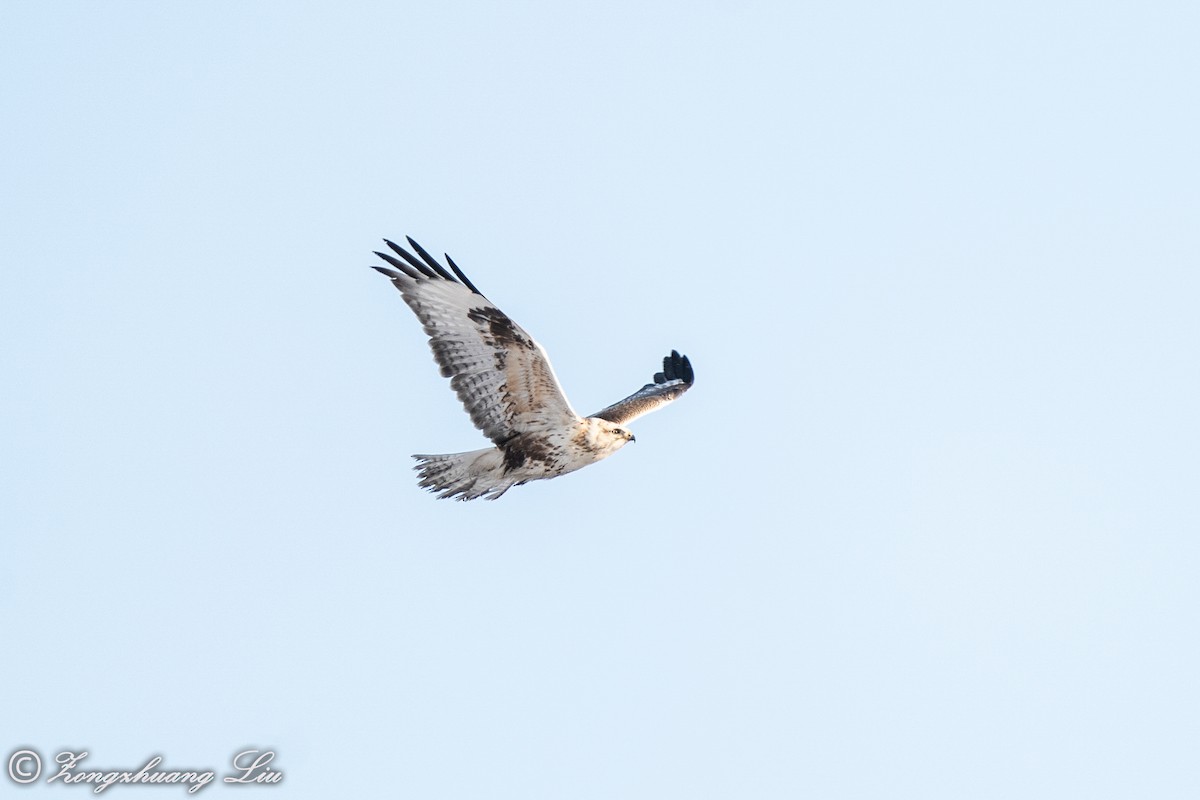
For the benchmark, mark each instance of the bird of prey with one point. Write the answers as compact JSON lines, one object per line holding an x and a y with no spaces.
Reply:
{"x":505,"y":382}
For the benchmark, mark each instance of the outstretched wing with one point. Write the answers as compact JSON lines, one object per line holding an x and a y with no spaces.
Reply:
{"x":675,"y":379}
{"x":501,"y":375}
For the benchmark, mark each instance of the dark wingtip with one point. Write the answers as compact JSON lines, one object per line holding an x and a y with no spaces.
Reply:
{"x":407,"y":270}
{"x":430,"y":260}
{"x":465,"y":280}
{"x":395,"y":277}
{"x":413,"y":261}
{"x":426,"y":266}
{"x":677,"y":367}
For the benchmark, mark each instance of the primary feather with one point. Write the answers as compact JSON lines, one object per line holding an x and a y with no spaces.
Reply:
{"x":507,"y":386}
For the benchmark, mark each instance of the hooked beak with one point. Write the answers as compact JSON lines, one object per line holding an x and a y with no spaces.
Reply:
{"x":632,"y":438}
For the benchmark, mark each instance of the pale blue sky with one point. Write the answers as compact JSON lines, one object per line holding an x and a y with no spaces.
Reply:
{"x":925,"y":528}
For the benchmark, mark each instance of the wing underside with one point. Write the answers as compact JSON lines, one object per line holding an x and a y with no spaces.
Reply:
{"x":675,"y":379}
{"x":502,"y":376}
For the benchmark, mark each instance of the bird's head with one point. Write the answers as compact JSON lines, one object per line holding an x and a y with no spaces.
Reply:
{"x":606,"y":437}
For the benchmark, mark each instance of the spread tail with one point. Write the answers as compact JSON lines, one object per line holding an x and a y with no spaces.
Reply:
{"x":464,"y":476}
